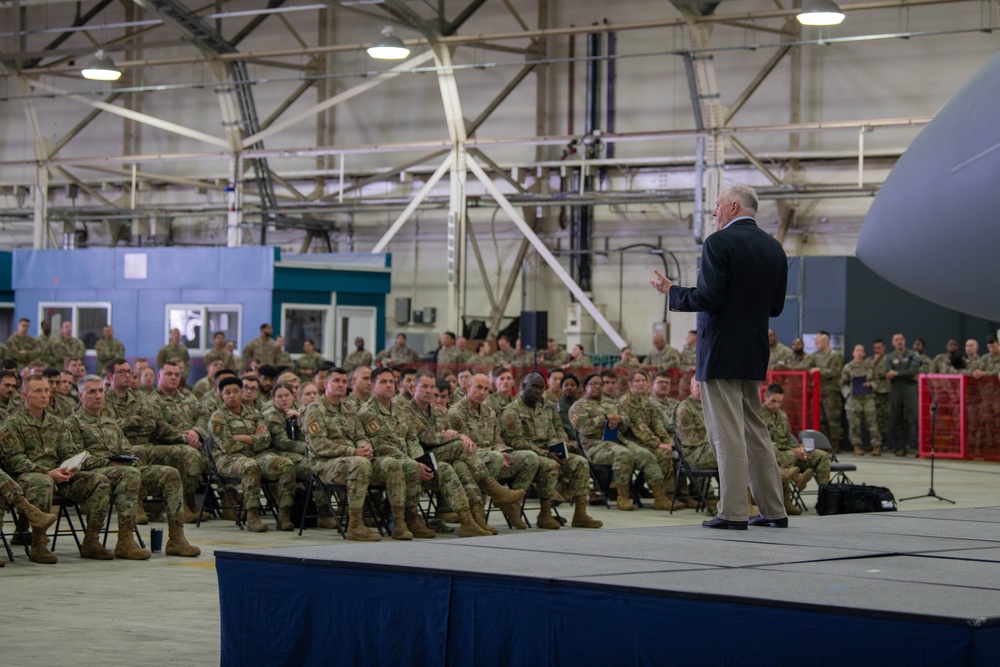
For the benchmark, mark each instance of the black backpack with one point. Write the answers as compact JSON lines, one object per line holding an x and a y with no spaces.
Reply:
{"x":854,"y":498}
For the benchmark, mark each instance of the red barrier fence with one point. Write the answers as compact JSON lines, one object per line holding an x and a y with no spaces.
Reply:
{"x":967,"y":424}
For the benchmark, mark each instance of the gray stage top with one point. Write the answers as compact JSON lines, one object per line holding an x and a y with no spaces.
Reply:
{"x":940,"y":564}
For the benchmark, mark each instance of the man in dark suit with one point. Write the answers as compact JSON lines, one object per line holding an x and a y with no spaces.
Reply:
{"x":741,"y":283}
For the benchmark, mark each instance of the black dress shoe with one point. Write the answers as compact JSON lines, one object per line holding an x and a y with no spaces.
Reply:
{"x":725,"y":524}
{"x":769,"y":523}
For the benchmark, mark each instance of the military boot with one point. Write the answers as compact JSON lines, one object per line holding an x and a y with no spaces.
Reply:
{"x":501,"y":495}
{"x":191,"y":508}
{"x":254,"y":524}
{"x":92,"y":547}
{"x":356,"y":528}
{"x":285,"y":519}
{"x":876,"y":450}
{"x":545,"y":518}
{"x":126,"y":548}
{"x":140,"y":514}
{"x":790,"y":508}
{"x":36,"y":517}
{"x":479,"y":516}
{"x":468,"y":526}
{"x":513,"y":515}
{"x":416,"y":525}
{"x":662,"y":501}
{"x":39,"y":551}
{"x":624,"y":497}
{"x":177,"y":544}
{"x":580,"y":517}
{"x":399,"y":531}
{"x":325,"y":518}
{"x":858,"y":451}
{"x":807,"y":475}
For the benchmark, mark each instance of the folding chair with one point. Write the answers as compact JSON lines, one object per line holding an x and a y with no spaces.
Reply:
{"x":699,"y":479}
{"x":64,"y":504}
{"x":509,"y":483}
{"x":335,"y":495}
{"x":25,"y":535}
{"x":107,"y":527}
{"x":838,"y":470}
{"x":214,"y":480}
{"x":603,"y":476}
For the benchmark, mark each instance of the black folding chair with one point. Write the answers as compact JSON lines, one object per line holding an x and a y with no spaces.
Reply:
{"x":838,"y":470}
{"x":25,"y":535}
{"x":335,"y":496}
{"x":215,"y":483}
{"x":107,"y":527}
{"x":64,"y":505}
{"x":699,"y":479}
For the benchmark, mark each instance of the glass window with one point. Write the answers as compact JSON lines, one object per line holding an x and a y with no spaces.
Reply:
{"x":302,"y":323}
{"x":6,"y":320}
{"x":88,"y":319}
{"x":190,"y":320}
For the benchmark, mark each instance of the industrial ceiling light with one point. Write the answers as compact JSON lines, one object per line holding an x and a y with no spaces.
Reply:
{"x":820,"y":12}
{"x":101,"y":68}
{"x":389,"y":47}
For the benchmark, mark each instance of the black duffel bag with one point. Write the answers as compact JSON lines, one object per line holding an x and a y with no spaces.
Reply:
{"x":854,"y":498}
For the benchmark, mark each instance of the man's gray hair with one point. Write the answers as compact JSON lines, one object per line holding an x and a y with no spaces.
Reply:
{"x":745,"y":195}
{"x":90,"y":377}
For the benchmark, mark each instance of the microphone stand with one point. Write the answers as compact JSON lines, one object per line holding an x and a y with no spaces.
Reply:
{"x":934,"y":413}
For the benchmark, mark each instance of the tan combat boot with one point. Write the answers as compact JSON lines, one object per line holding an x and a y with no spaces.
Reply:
{"x":39,"y":551}
{"x":876,"y":450}
{"x":580,"y":517}
{"x":501,"y":495}
{"x":254,"y":524}
{"x":285,"y":519}
{"x":858,"y":451}
{"x":479,"y":516}
{"x":416,"y":524}
{"x":36,"y":517}
{"x":177,"y":544}
{"x":661,"y":501}
{"x":191,"y":507}
{"x":399,"y":531}
{"x":126,"y":548}
{"x":513,"y":515}
{"x":807,"y":475}
{"x":545,"y":518}
{"x":356,"y":528}
{"x":325,"y":518}
{"x":91,"y":547}
{"x":468,"y":526}
{"x":790,"y":508}
{"x":624,"y":497}
{"x":140,"y":515}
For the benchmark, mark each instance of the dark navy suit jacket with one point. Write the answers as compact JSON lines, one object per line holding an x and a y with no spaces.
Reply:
{"x":742,"y":282}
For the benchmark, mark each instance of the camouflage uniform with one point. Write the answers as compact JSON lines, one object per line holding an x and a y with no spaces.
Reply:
{"x":583,"y":362}
{"x":107,"y":350}
{"x":667,"y":408}
{"x":14,"y":404}
{"x":528,"y":429}
{"x":688,"y":357}
{"x":779,"y":356}
{"x":398,"y":355}
{"x":307,"y":365}
{"x":644,"y":431}
{"x":831,"y":364}
{"x":264,"y":350}
{"x":251,"y":462}
{"x":780,"y":430}
{"x":631,"y":363}
{"x":23,"y":349}
{"x":356,"y":359}
{"x":354,"y":403}
{"x":664,"y":359}
{"x":62,"y":406}
{"x":171,"y":351}
{"x":941,"y":364}
{"x":880,"y":388}
{"x":861,"y":407}
{"x":223,"y":355}
{"x":799,"y":362}
{"x":155,"y":440}
{"x":508,"y":358}
{"x":103,"y":439}
{"x":32,"y":447}
{"x":61,"y":349}
{"x":293,"y":450}
{"x":482,"y":426}
{"x":553,"y":359}
{"x":498,"y":402}
{"x":333,"y":433}
{"x":451,"y":355}
{"x":202,"y":387}
{"x":693,"y":436}
{"x":589,"y":417}
{"x":429,"y":425}
{"x":392,"y":432}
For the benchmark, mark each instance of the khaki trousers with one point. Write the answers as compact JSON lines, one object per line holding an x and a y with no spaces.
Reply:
{"x":743,"y":449}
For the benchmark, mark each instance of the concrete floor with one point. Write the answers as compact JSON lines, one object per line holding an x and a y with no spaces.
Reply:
{"x":166,"y":610}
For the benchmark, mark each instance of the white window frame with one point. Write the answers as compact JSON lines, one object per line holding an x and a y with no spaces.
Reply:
{"x":328,"y":324}
{"x":76,"y":306}
{"x":205,"y":344}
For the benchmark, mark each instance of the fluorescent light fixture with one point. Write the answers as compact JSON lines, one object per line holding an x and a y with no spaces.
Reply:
{"x":101,"y":69}
{"x":389,"y":47}
{"x":820,"y":12}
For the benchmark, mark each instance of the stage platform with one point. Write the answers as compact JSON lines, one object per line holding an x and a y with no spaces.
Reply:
{"x":894,"y":588}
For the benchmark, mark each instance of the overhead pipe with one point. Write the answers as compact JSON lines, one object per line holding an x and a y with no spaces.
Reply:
{"x":612,"y":75}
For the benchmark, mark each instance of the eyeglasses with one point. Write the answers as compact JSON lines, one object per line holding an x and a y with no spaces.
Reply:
{"x":596,"y":383}
{"x":123,"y":371}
